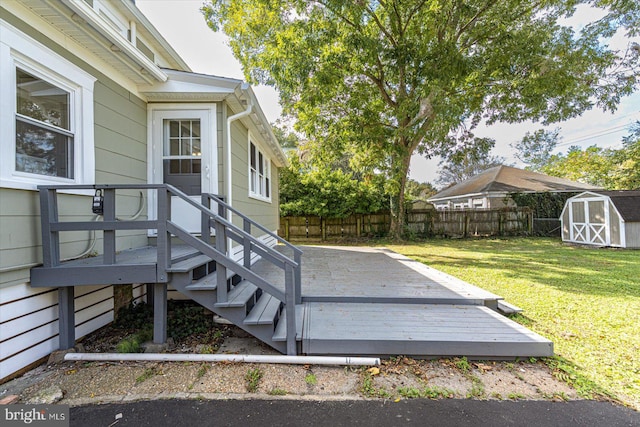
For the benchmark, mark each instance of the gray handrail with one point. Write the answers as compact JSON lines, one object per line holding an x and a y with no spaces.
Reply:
{"x":297,"y":252}
{"x":165,"y":227}
{"x":261,"y":227}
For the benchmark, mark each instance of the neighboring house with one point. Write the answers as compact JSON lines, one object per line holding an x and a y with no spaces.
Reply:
{"x":490,"y":189}
{"x":603,"y":218}
{"x":91,"y":93}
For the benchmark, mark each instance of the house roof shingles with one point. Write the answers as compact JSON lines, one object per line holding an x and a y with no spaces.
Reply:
{"x":507,"y":179}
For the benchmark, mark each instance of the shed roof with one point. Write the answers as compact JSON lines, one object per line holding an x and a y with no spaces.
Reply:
{"x":626,"y":201}
{"x":507,"y":179}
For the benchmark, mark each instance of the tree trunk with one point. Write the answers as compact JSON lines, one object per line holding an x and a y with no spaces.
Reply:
{"x":400,"y":170}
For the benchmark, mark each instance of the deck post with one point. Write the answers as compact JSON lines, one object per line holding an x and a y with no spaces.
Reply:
{"x":66,"y":317}
{"x":159,"y":313}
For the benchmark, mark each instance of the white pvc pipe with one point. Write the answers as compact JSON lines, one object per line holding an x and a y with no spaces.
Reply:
{"x":244,"y":358}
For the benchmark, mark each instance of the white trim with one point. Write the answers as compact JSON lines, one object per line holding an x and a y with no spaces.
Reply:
{"x":18,"y":50}
{"x":55,"y":35}
{"x":586,"y":229}
{"x":209,"y":141}
{"x":267,"y":173}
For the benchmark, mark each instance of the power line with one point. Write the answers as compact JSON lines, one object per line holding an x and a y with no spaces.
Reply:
{"x":596,"y":134}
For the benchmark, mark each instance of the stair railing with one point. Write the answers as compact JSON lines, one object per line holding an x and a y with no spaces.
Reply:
{"x":226,"y":230}
{"x":247,"y":225}
{"x":166,"y":227}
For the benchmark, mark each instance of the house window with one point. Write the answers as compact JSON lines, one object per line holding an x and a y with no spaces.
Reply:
{"x":259,"y":173}
{"x":46,"y":116}
{"x":44,"y":140}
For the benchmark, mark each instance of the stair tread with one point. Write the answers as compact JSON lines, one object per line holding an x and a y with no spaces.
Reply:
{"x":264,"y":311}
{"x":189,"y":264}
{"x":207,"y":283}
{"x":280,"y":333}
{"x":239,"y":295}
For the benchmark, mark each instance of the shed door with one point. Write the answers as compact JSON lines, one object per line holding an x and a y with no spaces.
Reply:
{"x":589,"y":222}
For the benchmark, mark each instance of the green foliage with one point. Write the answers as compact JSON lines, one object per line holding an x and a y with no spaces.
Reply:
{"x":543,"y":205}
{"x":148,"y":373}
{"x":184,"y":319}
{"x":469,"y":158}
{"x":327,"y":193}
{"x":384,"y":80}
{"x":612,"y":169}
{"x":277,"y":392}
{"x":311,"y":379}
{"x":133,"y":343}
{"x":253,"y":377}
{"x":425,"y":393}
{"x":535,"y":148}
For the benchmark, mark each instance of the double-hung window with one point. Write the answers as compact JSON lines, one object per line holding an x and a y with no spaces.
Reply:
{"x":259,"y":173}
{"x":46,"y":116}
{"x":44,"y":137}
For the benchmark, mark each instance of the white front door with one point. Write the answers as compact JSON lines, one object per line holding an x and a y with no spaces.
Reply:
{"x":184,"y":154}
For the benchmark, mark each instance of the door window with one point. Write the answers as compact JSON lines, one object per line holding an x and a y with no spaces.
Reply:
{"x":182,"y":154}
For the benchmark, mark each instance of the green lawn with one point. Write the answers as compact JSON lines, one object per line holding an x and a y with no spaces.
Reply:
{"x":586,"y":300}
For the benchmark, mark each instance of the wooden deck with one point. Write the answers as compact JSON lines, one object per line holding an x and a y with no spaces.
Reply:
{"x":372,"y":301}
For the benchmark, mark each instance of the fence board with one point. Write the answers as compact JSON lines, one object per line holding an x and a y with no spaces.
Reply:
{"x":420,"y":223}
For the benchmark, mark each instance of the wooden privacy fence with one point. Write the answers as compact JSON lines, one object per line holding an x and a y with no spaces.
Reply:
{"x":420,"y":223}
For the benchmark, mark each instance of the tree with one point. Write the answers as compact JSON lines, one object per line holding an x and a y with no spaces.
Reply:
{"x":535,"y":148}
{"x":469,"y":159}
{"x":591,"y":165}
{"x":419,"y":190}
{"x":326,"y":192}
{"x":386,"y":79}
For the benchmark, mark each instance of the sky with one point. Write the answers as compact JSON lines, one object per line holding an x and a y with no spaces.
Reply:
{"x":207,"y":52}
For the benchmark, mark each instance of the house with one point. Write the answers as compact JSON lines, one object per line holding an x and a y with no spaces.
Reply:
{"x":490,"y":189}
{"x":602,"y":218}
{"x":92,"y":95}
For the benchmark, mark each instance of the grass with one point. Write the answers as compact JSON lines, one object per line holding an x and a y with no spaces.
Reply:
{"x":586,"y":300}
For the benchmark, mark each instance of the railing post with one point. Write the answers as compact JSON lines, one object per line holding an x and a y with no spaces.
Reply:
{"x":50,"y":240}
{"x":297,"y":257}
{"x":221,"y":270}
{"x":290,"y":308}
{"x":163,"y":236}
{"x":246,"y":226}
{"x":205,"y":233}
{"x":109,"y":236}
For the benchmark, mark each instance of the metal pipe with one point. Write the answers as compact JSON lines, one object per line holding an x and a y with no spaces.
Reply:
{"x":244,"y":358}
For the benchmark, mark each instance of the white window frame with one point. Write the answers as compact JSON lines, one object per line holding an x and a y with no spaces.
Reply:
{"x":17,"y":50}
{"x":260,"y":195}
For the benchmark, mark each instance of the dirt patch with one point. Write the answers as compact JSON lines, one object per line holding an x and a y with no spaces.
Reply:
{"x":396,"y":378}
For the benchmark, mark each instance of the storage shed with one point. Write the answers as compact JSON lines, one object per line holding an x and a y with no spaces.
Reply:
{"x":603,"y":218}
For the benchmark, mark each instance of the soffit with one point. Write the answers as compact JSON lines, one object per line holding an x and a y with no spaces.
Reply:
{"x":78,"y":22}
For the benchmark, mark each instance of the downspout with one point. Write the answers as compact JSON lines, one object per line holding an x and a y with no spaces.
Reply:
{"x":227,"y":178}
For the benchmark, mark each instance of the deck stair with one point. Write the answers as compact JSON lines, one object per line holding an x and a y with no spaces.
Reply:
{"x":374,"y":303}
